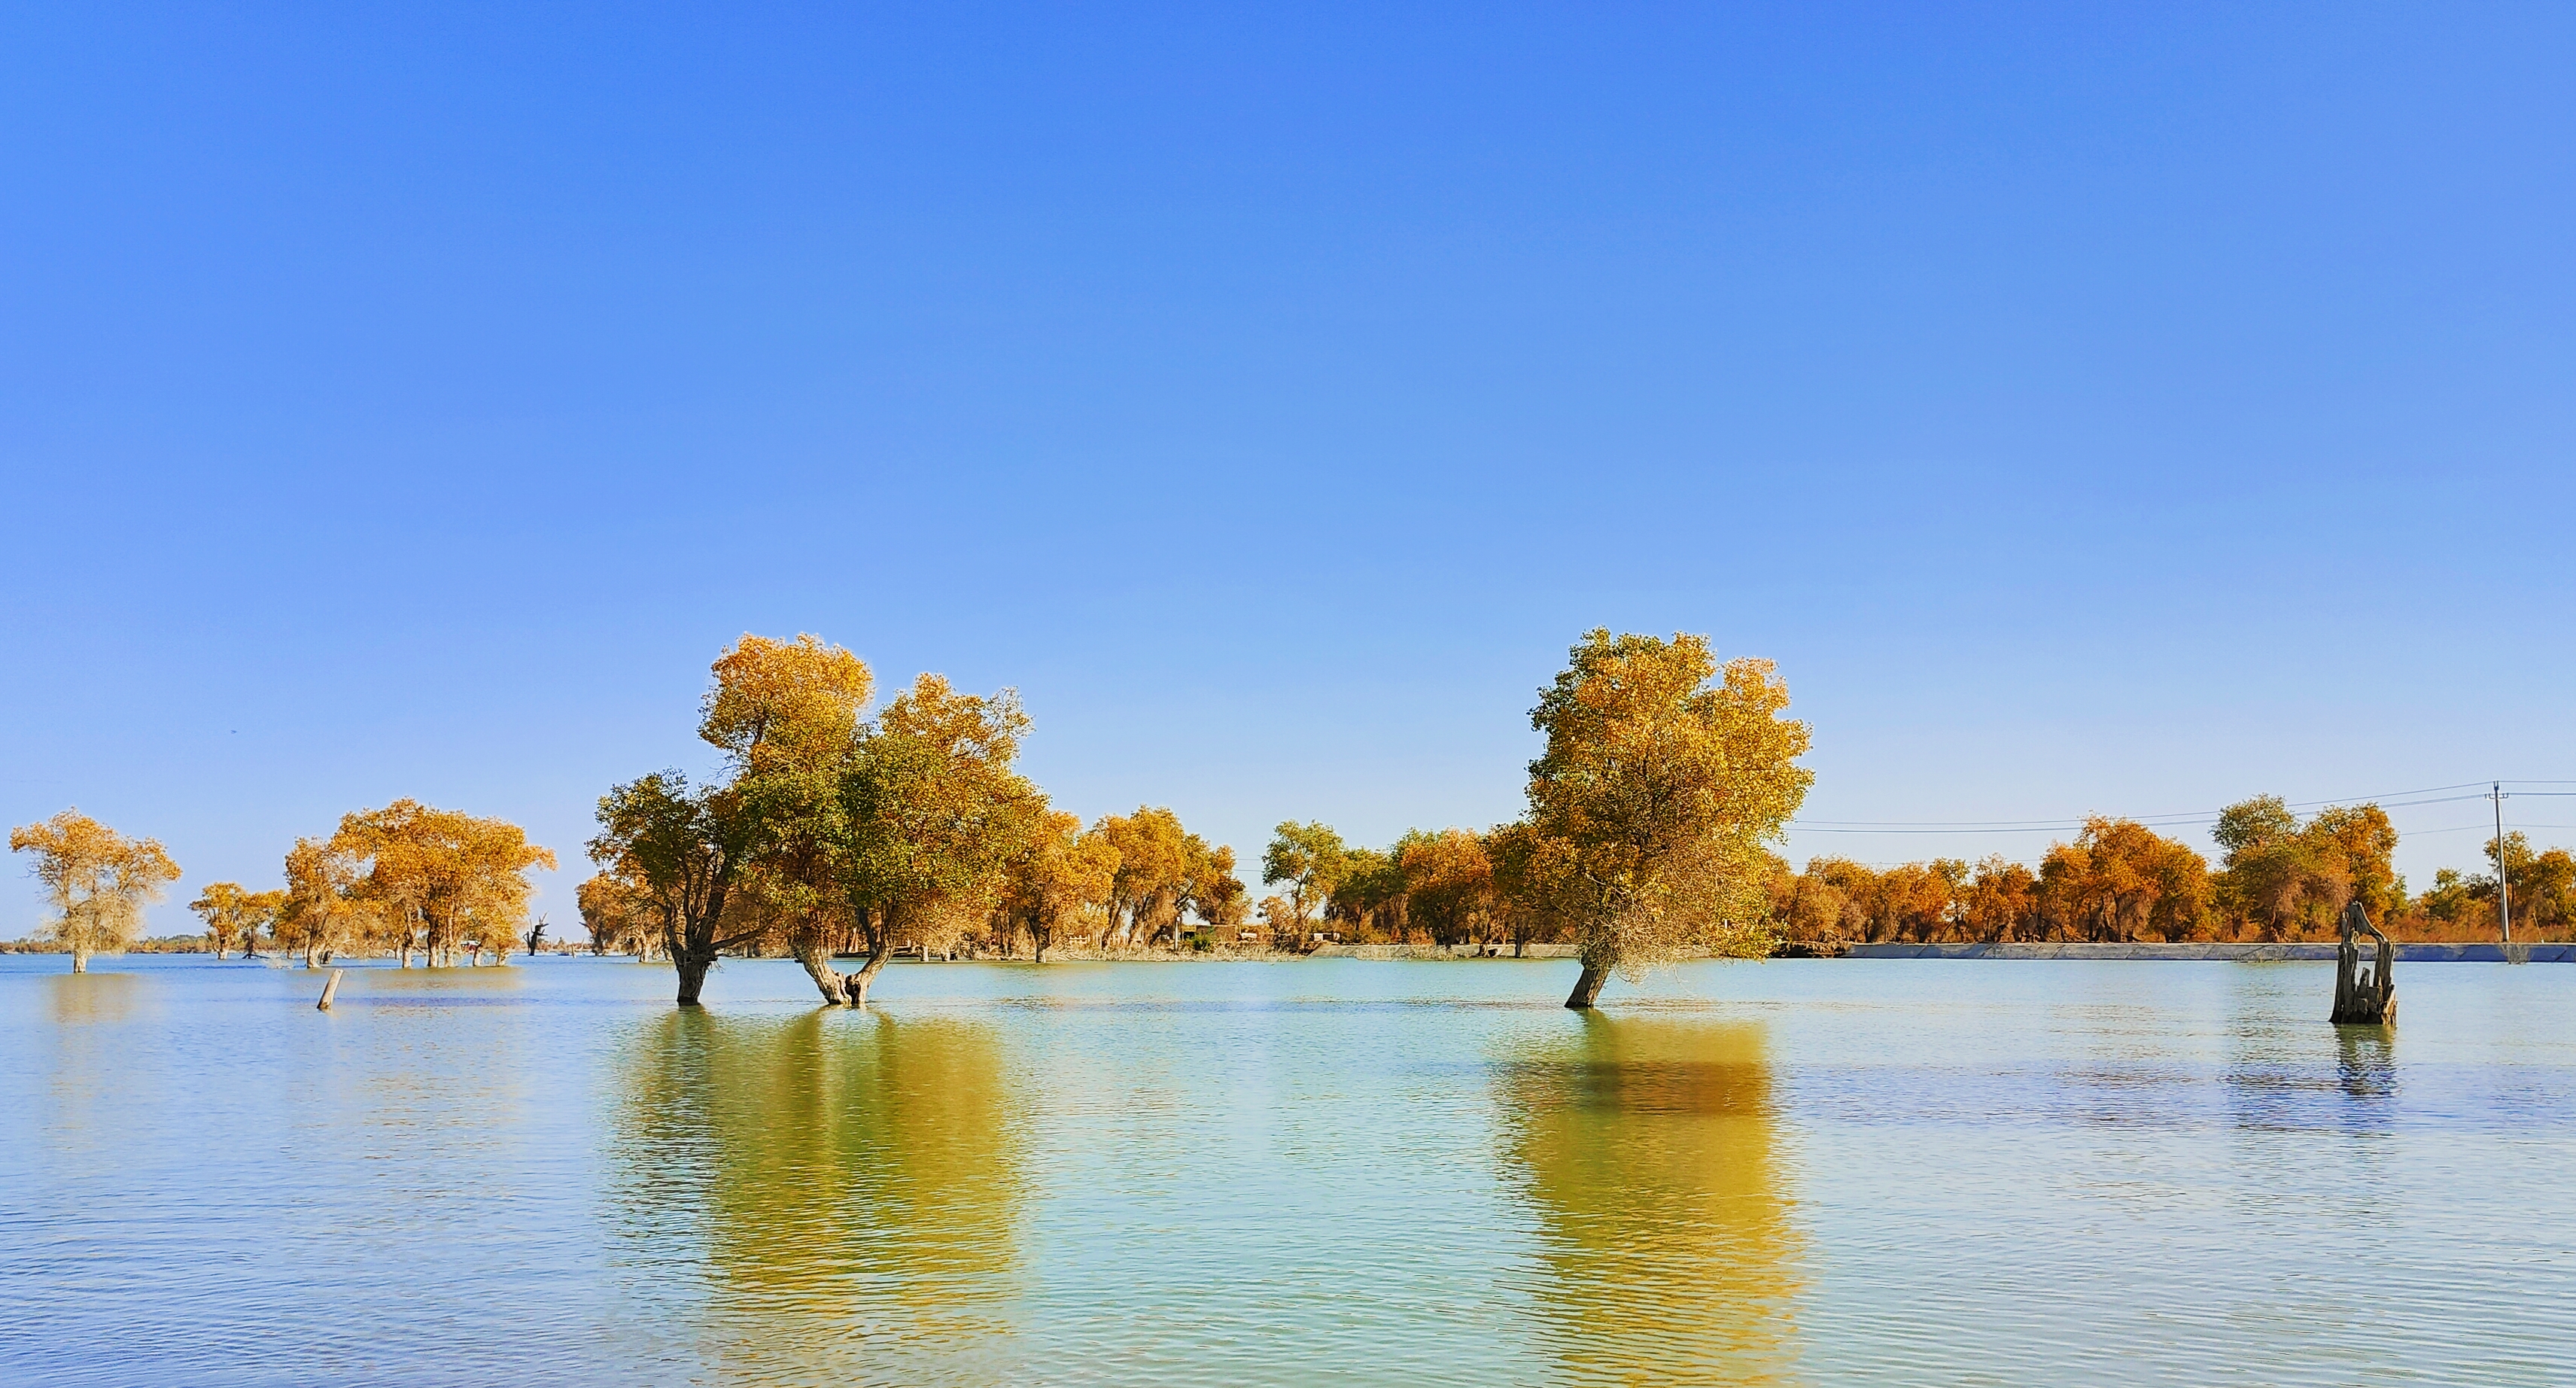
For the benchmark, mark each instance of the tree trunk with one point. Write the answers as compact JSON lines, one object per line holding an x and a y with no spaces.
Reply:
{"x":858,"y":982}
{"x":693,"y":975}
{"x":817,"y":960}
{"x":80,"y":959}
{"x":1587,"y":989}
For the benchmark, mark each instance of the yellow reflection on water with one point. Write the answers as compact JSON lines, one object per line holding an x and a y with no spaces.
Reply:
{"x":853,"y":1185}
{"x":93,"y":1091}
{"x":93,"y":997}
{"x":1650,"y":1148}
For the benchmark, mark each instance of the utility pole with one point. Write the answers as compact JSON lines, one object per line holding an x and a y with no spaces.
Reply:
{"x":2504,"y":886}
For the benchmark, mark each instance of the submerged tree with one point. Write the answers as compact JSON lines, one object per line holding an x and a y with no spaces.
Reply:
{"x":96,"y":880}
{"x":787,"y":714}
{"x":323,"y":911}
{"x":929,"y":817}
{"x":234,"y":916}
{"x":1655,"y":795}
{"x":681,"y":847}
{"x":440,"y":880}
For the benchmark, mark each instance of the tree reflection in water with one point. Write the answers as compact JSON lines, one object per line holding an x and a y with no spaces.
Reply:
{"x":850,"y":1187}
{"x":1649,"y":1148}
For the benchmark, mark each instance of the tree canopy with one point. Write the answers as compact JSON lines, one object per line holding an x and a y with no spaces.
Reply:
{"x":1663,"y":776}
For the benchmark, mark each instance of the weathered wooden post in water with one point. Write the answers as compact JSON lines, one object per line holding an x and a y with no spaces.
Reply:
{"x":328,"y":988}
{"x":2364,"y":996}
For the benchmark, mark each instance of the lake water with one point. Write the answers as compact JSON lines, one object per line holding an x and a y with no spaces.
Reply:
{"x":1325,"y":1172}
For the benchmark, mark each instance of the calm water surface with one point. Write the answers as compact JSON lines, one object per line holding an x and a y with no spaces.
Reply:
{"x":1334,"y":1171}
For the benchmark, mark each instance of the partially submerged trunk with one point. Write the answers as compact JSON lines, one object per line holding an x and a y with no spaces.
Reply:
{"x":80,"y":959}
{"x":693,"y":975}
{"x":867,"y":974}
{"x":818,"y":966}
{"x":1587,"y":989}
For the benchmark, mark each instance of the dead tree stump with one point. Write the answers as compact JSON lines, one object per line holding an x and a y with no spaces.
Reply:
{"x":2365,"y":994}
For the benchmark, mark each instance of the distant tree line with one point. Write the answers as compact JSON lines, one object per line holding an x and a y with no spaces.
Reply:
{"x":2278,"y":878}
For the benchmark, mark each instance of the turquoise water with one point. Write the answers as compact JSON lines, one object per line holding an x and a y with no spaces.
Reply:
{"x":1324,"y":1172}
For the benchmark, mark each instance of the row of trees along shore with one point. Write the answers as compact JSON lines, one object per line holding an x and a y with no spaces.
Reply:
{"x":2278,"y":878}
{"x":402,"y":880}
{"x":1665,"y":780}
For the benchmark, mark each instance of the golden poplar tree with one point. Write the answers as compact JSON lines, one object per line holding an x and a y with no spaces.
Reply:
{"x":96,"y":880}
{"x":1655,"y":795}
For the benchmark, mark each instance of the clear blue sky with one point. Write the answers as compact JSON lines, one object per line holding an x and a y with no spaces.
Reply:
{"x":2124,"y":409}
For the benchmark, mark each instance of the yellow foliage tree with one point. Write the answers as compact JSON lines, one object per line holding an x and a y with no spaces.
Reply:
{"x":96,"y":880}
{"x":234,"y":917}
{"x":440,"y":880}
{"x":1655,"y":795}
{"x":1063,"y":870}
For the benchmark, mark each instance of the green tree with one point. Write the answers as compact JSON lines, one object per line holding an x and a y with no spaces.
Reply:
{"x":1369,"y":894}
{"x":682,"y":848}
{"x":1655,"y":795}
{"x":930,"y":816}
{"x":1309,"y":860}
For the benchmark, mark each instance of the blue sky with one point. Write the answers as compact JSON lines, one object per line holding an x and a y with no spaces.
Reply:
{"x":2091,"y":409}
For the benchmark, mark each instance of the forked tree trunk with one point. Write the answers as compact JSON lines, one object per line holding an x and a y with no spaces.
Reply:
{"x":818,"y":966}
{"x":693,"y":975}
{"x":858,"y":982}
{"x":1587,"y":989}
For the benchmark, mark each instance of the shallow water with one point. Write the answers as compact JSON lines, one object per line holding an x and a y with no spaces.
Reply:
{"x":1332,"y":1171}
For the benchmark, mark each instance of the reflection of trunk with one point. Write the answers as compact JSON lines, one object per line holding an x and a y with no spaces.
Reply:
{"x":818,"y":966}
{"x":693,"y":974}
{"x":1587,"y":989}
